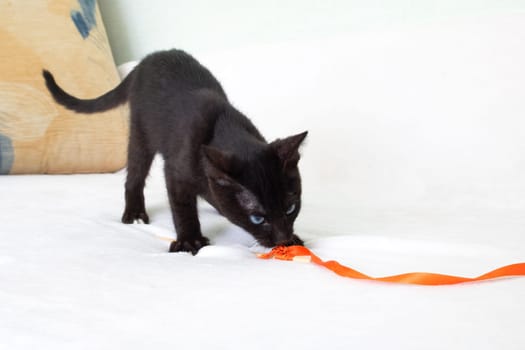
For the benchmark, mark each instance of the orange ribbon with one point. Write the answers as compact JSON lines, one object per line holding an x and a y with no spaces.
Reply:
{"x":300,"y":253}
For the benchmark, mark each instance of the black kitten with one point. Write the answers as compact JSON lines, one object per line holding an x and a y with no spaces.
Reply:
{"x":179,"y":109}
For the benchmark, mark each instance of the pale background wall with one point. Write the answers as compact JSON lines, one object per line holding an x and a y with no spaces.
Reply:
{"x":136,"y":28}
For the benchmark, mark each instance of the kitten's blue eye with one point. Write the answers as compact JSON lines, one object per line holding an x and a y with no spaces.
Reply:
{"x":290,"y":209}
{"x":256,"y":219}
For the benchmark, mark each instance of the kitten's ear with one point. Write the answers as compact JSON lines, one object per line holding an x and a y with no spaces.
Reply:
{"x":288,"y":149}
{"x":218,"y":165}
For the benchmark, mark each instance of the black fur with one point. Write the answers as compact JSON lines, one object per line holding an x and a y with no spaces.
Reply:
{"x":179,"y":109}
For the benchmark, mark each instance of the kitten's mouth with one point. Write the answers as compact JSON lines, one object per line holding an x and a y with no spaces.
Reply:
{"x":269,"y":243}
{"x":266,"y":243}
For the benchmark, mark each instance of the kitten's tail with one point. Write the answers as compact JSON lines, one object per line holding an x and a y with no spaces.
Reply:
{"x":109,"y":100}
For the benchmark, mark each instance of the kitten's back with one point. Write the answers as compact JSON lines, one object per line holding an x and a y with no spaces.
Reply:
{"x":175,"y":70}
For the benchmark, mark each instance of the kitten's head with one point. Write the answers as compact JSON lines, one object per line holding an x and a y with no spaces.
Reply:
{"x":261,"y":194}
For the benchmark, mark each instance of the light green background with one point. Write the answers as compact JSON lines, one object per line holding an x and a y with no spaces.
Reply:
{"x":136,"y":28}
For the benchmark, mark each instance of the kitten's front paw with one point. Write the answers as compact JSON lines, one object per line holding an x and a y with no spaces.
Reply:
{"x":189,"y":245}
{"x":130,"y":216}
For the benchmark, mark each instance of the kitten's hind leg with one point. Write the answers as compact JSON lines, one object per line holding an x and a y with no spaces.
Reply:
{"x":185,"y":217}
{"x":139,"y":163}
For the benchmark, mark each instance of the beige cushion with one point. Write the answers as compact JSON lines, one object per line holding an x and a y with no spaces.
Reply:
{"x":36,"y":135}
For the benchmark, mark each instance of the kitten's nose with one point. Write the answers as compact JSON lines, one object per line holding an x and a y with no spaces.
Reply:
{"x":281,"y":238}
